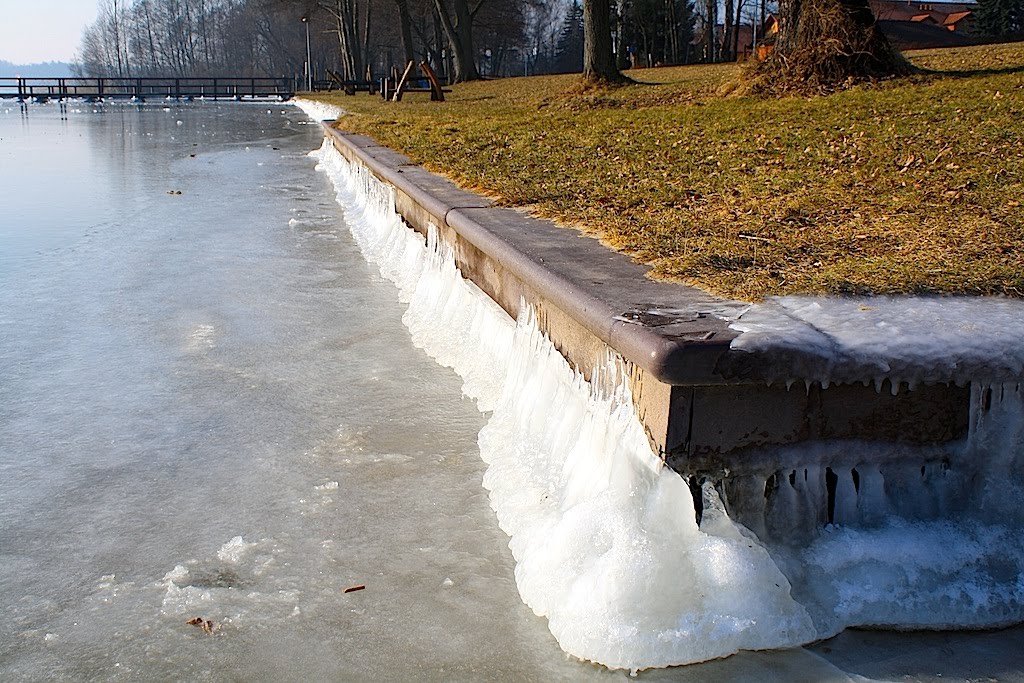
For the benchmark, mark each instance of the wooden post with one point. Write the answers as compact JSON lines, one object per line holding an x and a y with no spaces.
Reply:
{"x":436,"y":92}
{"x":400,"y":88}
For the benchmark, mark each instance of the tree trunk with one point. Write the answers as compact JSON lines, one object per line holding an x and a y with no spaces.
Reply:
{"x":598,"y":59}
{"x":348,"y":66}
{"x":736,"y":30}
{"x":671,"y":33}
{"x":825,"y":43}
{"x":350,"y":52}
{"x":711,"y":31}
{"x":727,"y":31}
{"x":365,"y":66}
{"x":459,"y":32}
{"x":405,"y":23}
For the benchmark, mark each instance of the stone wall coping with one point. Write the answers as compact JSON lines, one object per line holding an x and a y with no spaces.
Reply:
{"x":675,"y":332}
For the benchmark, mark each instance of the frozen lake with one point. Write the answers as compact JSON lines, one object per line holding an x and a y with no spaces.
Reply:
{"x":180,"y":370}
{"x":210,"y":407}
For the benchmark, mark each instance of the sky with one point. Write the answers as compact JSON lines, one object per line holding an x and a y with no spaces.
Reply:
{"x":34,"y":31}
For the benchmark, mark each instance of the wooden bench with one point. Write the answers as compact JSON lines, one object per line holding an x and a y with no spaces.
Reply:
{"x":392,"y":89}
{"x":351,"y":87}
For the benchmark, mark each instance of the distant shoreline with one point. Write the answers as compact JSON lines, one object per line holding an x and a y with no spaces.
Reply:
{"x":37,"y":70}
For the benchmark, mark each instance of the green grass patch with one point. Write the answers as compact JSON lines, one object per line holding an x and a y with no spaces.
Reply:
{"x":907,"y":186}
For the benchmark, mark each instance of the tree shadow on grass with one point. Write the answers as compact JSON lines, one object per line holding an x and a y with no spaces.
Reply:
{"x":971,"y":73}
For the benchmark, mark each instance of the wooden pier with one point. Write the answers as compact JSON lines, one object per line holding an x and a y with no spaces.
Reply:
{"x":141,"y":89}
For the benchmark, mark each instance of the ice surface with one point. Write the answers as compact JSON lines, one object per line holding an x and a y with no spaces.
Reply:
{"x":963,"y":574}
{"x":911,"y":340}
{"x":122,"y":453}
{"x":605,"y":539}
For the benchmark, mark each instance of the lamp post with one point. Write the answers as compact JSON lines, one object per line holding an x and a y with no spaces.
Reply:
{"x":309,"y":63}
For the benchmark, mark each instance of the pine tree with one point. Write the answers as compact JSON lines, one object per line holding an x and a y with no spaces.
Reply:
{"x":999,"y":18}
{"x":569,"y":51}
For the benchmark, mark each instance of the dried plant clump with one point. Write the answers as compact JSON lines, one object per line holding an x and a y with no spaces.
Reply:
{"x":835,"y":44}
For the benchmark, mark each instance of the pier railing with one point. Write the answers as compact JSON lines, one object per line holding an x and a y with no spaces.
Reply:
{"x":143,"y":88}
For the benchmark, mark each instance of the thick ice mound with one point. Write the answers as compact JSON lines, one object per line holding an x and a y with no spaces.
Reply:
{"x":605,"y":538}
{"x":318,"y":111}
{"x":913,"y":340}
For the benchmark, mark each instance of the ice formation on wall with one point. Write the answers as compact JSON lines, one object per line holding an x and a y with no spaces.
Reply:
{"x":318,"y":111}
{"x":605,"y":539}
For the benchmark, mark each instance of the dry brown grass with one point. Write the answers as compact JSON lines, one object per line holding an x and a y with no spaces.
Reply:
{"x":912,"y":185}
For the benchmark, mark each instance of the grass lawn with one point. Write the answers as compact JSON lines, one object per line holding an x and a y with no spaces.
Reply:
{"x":914,"y":185}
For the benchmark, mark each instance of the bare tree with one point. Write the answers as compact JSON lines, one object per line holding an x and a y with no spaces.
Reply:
{"x":345,"y":14}
{"x":266,"y":37}
{"x":456,"y":19}
{"x":405,"y":27}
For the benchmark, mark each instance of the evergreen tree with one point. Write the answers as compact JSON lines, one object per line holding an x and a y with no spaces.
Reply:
{"x":999,"y":18}
{"x":569,"y":52}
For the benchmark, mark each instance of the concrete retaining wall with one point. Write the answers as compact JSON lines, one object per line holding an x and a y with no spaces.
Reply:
{"x":705,"y":408}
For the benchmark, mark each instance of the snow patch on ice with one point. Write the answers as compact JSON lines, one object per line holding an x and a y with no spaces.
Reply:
{"x":233,"y":585}
{"x":234,"y":550}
